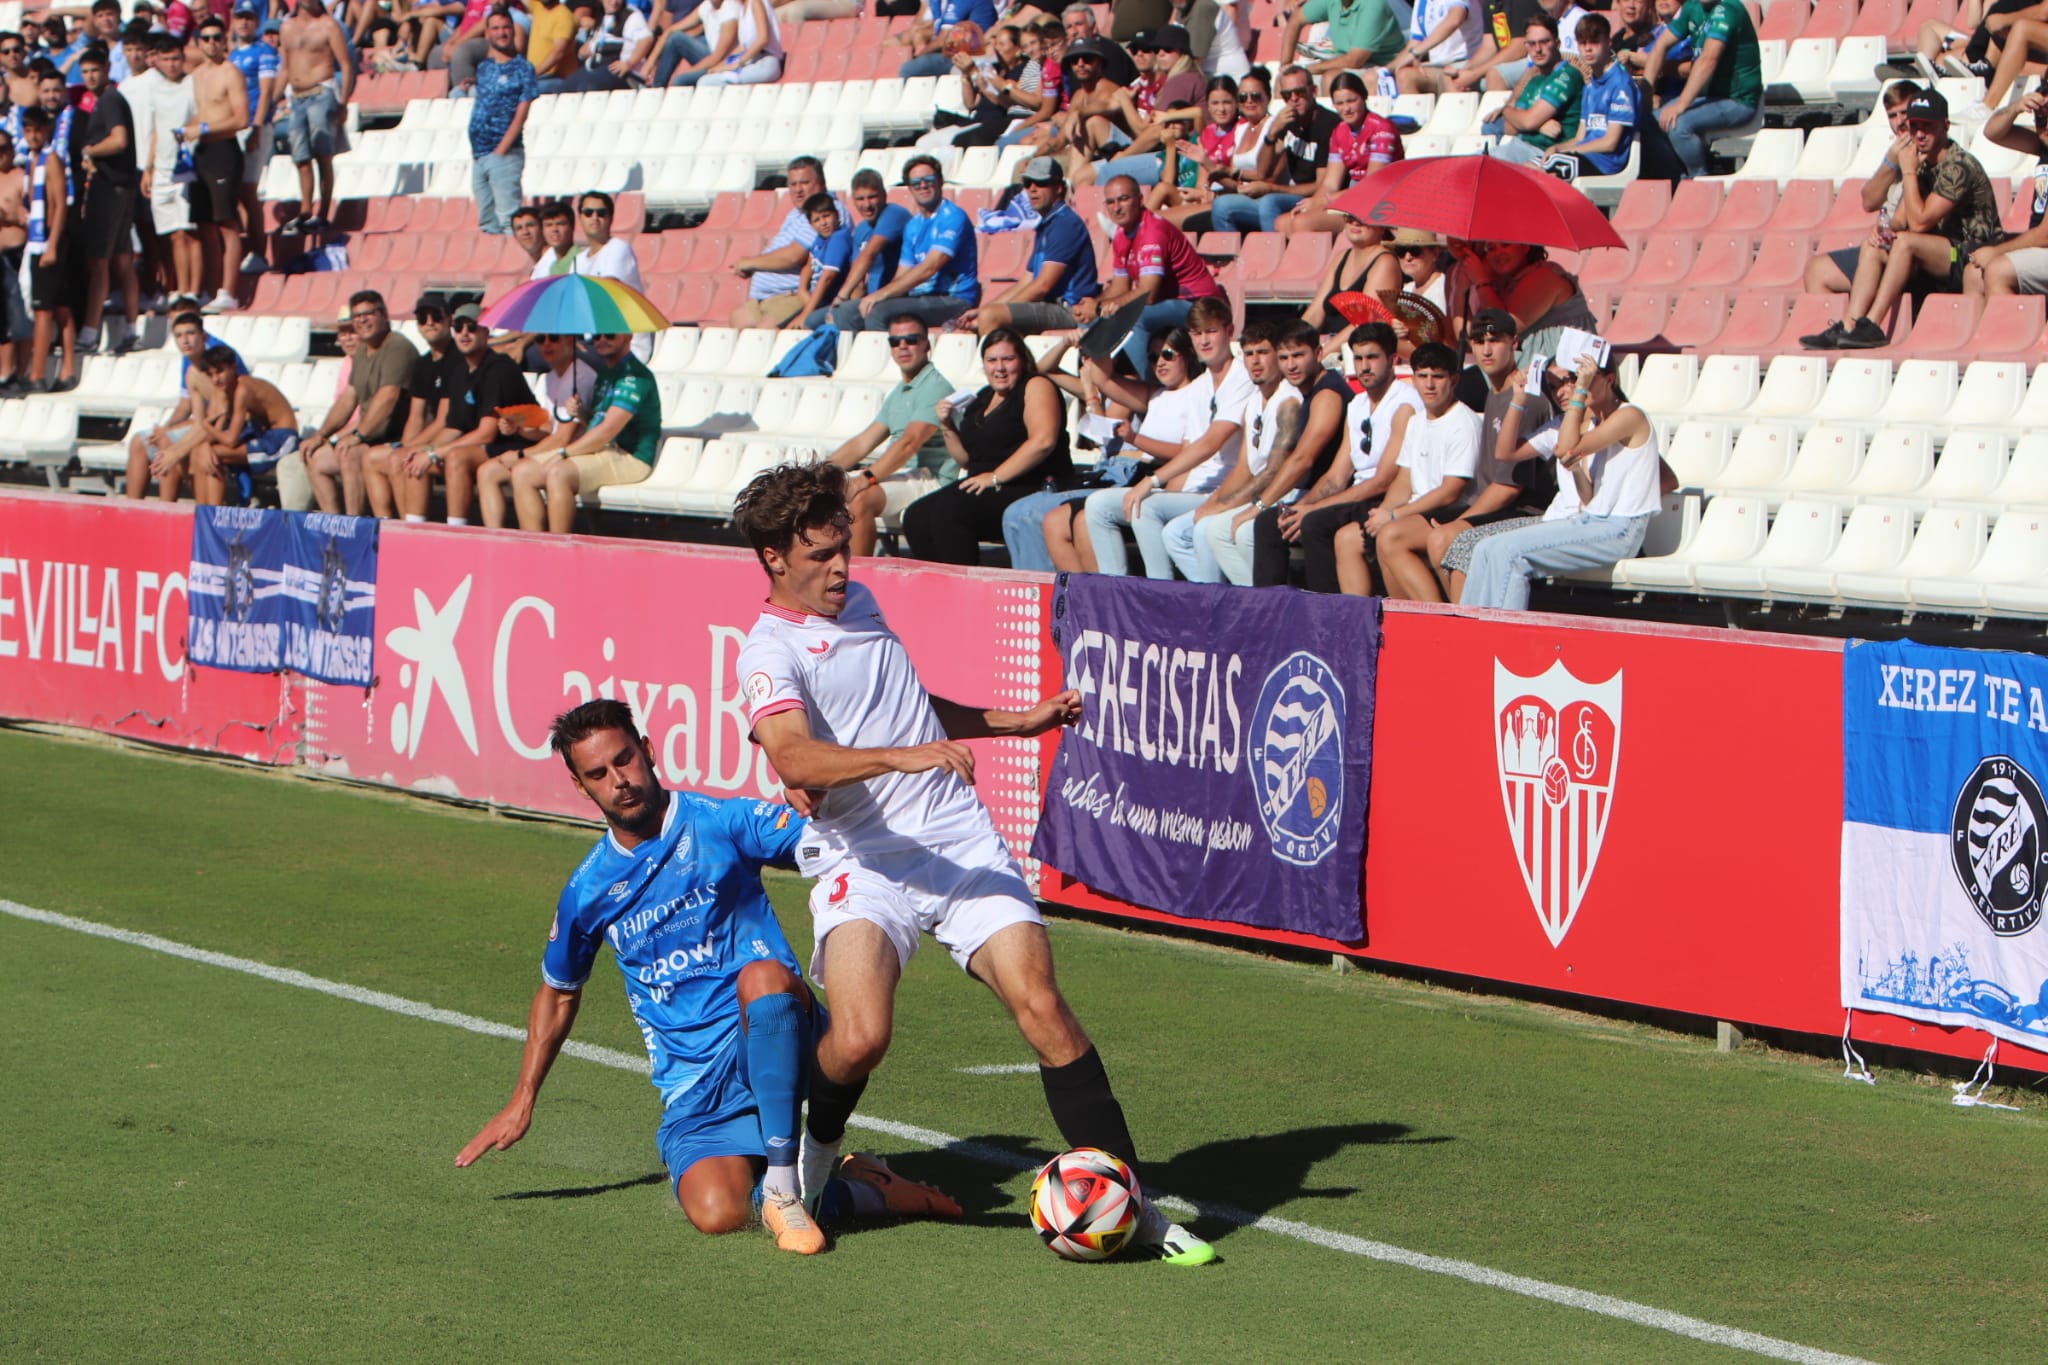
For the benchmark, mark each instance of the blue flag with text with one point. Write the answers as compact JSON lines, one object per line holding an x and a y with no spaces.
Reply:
{"x":1945,"y":837}
{"x":1223,"y":758}
{"x":274,"y":590}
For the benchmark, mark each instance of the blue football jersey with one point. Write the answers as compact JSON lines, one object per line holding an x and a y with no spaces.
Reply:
{"x":683,"y":913}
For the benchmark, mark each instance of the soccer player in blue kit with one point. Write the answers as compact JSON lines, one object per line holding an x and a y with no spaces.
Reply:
{"x":674,"y":887}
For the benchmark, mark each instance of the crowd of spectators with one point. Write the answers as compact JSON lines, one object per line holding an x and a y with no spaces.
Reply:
{"x":1396,"y":454}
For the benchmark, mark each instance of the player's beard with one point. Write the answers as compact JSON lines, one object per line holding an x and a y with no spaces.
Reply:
{"x":642,"y":820}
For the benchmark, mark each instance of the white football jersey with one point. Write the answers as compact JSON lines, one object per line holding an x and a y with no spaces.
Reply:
{"x":854,"y":679}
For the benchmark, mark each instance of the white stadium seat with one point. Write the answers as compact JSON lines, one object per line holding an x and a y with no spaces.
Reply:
{"x":1873,"y":542}
{"x":1731,"y":530}
{"x":1803,"y":534}
{"x":1948,"y":545}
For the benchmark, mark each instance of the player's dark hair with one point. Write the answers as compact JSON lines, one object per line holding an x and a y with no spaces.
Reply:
{"x":1027,"y":363}
{"x":923,"y":159}
{"x":1593,"y":28}
{"x":218,"y":357}
{"x":366,"y":296}
{"x":94,"y":55}
{"x":807,"y":163}
{"x":599,"y":195}
{"x":180,"y":319}
{"x":1294,"y":332}
{"x":160,"y":43}
{"x":579,"y":723}
{"x":556,"y":211}
{"x":783,"y":503}
{"x":1434,"y":355}
{"x":821,"y":203}
{"x":1348,"y":80}
{"x":38,"y":118}
{"x":526,"y":211}
{"x":1377,"y":334}
{"x":1258,"y":332}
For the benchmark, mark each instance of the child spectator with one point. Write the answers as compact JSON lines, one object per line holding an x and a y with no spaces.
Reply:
{"x":825,"y":270}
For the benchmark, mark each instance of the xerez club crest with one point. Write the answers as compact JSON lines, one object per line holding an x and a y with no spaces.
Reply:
{"x":1558,"y":742}
{"x":1297,"y":758}
{"x":1996,"y":845}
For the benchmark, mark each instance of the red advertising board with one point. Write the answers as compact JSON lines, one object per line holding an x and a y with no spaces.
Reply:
{"x":483,"y":637}
{"x":92,"y":631}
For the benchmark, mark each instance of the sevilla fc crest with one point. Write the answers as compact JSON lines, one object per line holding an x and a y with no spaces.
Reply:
{"x":1558,"y":740}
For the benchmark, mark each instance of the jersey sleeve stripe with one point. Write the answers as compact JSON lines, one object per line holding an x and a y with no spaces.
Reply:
{"x":562,"y":985}
{"x":776,"y":708}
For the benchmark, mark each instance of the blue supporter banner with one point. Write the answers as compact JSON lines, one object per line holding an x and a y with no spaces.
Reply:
{"x":1945,"y":837}
{"x":330,"y":597}
{"x":272,"y":590}
{"x":235,"y":588}
{"x":1223,"y":759}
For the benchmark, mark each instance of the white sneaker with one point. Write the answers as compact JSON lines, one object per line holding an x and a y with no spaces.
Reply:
{"x":220,"y":303}
{"x":253,"y":264}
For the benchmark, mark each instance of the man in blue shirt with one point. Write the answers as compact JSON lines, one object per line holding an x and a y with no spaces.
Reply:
{"x":877,"y":235}
{"x":262,"y":68}
{"x":936,"y":276}
{"x":505,"y":90}
{"x":1059,"y":288}
{"x":1610,"y":109}
{"x":674,"y":889}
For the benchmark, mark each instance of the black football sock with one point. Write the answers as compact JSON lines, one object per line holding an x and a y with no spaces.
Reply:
{"x":1084,"y":1108}
{"x":831,"y":1105}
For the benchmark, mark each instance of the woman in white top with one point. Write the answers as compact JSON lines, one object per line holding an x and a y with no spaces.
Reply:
{"x":1617,"y":481}
{"x":752,"y":37}
{"x":1226,"y":148}
{"x":1166,"y":421}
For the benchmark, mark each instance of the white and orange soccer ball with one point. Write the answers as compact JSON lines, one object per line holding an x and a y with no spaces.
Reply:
{"x":1085,"y":1204}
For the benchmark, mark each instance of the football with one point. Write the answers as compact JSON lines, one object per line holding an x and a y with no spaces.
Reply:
{"x":1085,"y":1204}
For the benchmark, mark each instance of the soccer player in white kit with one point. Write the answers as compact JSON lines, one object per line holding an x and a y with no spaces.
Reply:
{"x":898,"y":842}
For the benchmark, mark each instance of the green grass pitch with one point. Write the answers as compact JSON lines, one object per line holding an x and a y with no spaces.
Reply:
{"x":201,"y":1164}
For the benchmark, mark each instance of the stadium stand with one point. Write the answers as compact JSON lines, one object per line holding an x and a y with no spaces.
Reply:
{"x":1909,"y":478}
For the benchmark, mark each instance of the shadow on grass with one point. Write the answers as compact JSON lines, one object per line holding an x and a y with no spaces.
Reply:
{"x":586,"y":1191}
{"x":1235,"y":1180}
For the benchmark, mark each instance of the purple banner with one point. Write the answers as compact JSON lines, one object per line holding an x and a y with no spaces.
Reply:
{"x":1224,"y":755}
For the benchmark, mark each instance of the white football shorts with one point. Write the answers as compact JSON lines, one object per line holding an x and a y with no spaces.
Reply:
{"x":962,"y":893}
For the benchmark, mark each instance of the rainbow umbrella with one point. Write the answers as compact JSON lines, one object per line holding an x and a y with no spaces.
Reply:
{"x":577,"y":305}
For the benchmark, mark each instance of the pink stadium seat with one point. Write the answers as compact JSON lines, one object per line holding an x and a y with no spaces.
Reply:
{"x":1780,"y":263}
{"x":1643,"y":203}
{"x":646,"y":251}
{"x":674,"y":249}
{"x":1258,"y":261}
{"x":1847,"y":213}
{"x":1810,"y":313}
{"x":1693,"y":204}
{"x":1638,"y":322}
{"x":1943,"y":323}
{"x":432,"y":255}
{"x":1003,"y":256}
{"x":1697,"y":318}
{"x":1756,"y":323}
{"x":802,"y":67}
{"x":1609,"y":265}
{"x":511,"y":258}
{"x":630,"y":213}
{"x":503,"y":283}
{"x":401,"y":252}
{"x":972,"y":202}
{"x":371,"y":251}
{"x":1877,"y":19}
{"x":350,"y":215}
{"x":269,"y":294}
{"x":1216,"y":247}
{"x":1724,"y":259}
{"x":831,"y":65}
{"x":726,"y":295}
{"x":1600,"y":299}
{"x":689,"y":300}
{"x":1301,"y":266}
{"x":326,"y":292}
{"x":725,"y":212}
{"x":2011,"y":328}
{"x":1748,"y":207}
{"x":2016,"y":204}
{"x":1665,"y":260}
{"x":1784,"y":21}
{"x":1802,"y":206}
{"x":874,"y":63}
{"x":706,"y":253}
{"x":1830,"y":19}
{"x":388,"y":215}
{"x":1920,"y":12}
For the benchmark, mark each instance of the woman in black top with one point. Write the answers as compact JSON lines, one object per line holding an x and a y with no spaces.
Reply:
{"x":1010,"y":441}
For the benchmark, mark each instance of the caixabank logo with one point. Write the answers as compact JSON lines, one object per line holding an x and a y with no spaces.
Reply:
{"x":1995,"y":845}
{"x":1298,"y":758}
{"x":1557,"y":740}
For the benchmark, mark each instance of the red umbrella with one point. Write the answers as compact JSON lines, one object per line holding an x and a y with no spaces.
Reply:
{"x":1481,"y":199}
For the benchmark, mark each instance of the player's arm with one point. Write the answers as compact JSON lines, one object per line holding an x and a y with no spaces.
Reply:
{"x":805,"y":762}
{"x":547,"y":1028}
{"x":972,"y":722}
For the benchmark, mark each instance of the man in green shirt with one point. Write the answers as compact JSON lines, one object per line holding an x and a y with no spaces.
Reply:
{"x":1726,"y":86}
{"x":1362,"y":33}
{"x":909,"y":422}
{"x":1545,"y":107}
{"x":618,"y":447}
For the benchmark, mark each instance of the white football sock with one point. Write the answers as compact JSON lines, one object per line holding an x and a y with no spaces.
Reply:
{"x":817,"y":1161}
{"x":780,"y":1180}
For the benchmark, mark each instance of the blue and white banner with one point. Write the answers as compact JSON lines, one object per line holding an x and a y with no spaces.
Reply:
{"x":330,"y":597}
{"x":1945,"y":837}
{"x":236,"y":589}
{"x":273,"y":590}
{"x":1222,"y":762}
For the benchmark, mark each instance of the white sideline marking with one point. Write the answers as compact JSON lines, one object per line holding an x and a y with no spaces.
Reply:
{"x":999,"y":1069}
{"x":1607,"y":1306}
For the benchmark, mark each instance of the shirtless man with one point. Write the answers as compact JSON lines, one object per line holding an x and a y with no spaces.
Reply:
{"x":16,"y":322}
{"x":314,"y":53}
{"x":161,"y":452}
{"x":251,"y":423}
{"x":221,"y":95}
{"x":21,"y":82}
